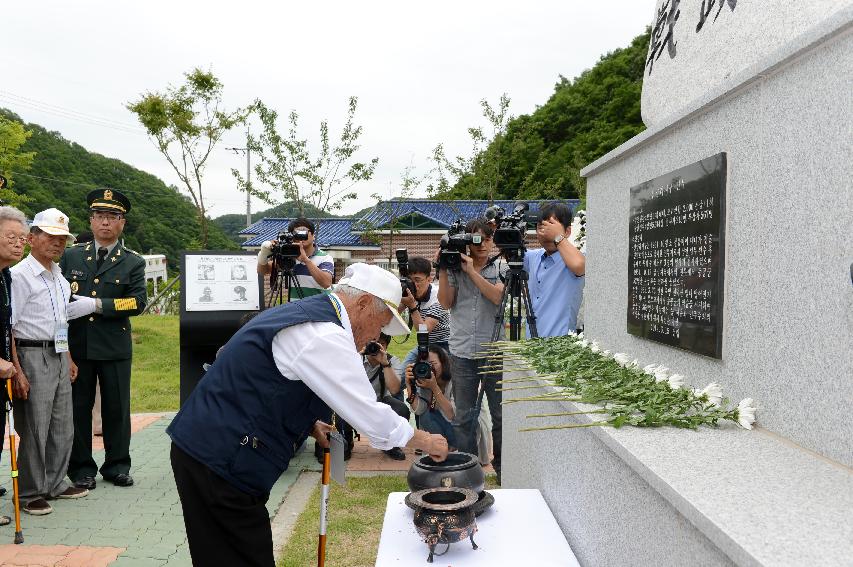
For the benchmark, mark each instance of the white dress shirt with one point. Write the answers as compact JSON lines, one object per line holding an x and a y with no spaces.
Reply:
{"x":39,"y":300}
{"x":324,"y":357}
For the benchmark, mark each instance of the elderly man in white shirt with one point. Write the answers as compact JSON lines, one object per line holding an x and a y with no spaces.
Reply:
{"x":45,"y":371}
{"x":264,"y":394}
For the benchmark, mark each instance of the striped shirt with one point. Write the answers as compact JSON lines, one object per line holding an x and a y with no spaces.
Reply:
{"x":39,"y":300}
{"x":308,"y":284}
{"x":430,"y":307}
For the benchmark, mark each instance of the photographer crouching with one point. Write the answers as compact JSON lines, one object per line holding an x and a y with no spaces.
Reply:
{"x":265,"y":394}
{"x":383,"y":371}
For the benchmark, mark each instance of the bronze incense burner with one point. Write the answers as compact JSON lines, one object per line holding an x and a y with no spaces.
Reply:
{"x":444,"y":515}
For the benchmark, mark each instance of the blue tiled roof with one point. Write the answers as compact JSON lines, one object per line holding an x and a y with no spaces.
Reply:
{"x":441,"y":212}
{"x":330,"y":232}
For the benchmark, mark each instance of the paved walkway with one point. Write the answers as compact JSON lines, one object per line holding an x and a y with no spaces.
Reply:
{"x":137,"y":526}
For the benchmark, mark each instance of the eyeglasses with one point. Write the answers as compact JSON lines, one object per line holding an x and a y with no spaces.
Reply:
{"x":111,"y":217}
{"x":418,"y":280}
{"x":12,"y":238}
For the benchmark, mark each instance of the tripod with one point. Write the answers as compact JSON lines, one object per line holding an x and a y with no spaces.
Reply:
{"x":516,"y":294}
{"x":282,"y":279}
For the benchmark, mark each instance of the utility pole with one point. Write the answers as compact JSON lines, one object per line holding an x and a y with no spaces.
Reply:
{"x":248,"y":153}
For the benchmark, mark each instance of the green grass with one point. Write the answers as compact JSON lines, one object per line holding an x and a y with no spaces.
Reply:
{"x":354,"y":524}
{"x":155,"y":378}
{"x":400,"y":350}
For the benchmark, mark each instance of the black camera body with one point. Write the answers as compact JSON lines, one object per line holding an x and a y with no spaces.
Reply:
{"x":422,"y":369}
{"x":283,"y":246}
{"x":406,"y":282}
{"x":372,"y":348}
{"x":510,"y":229}
{"x":455,"y":243}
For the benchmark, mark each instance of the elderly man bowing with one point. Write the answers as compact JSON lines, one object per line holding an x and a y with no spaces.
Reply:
{"x":265,"y":394}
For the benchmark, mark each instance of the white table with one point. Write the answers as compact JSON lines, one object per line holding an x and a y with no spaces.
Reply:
{"x":517,"y":530}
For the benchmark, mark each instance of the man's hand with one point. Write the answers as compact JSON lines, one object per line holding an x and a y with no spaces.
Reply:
{"x":409,"y":300}
{"x":303,"y":257}
{"x":81,"y":306}
{"x":380,"y":357}
{"x":21,"y":386}
{"x":467,"y":264}
{"x":550,"y":229}
{"x":433,"y":444}
{"x":72,"y":369}
{"x":264,"y":253}
{"x":320,"y":432}
{"x":7,"y":369}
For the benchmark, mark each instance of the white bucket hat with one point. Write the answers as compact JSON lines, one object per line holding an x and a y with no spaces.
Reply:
{"x":382,"y":284}
{"x":53,"y":221}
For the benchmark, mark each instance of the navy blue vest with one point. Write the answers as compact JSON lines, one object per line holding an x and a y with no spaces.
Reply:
{"x":244,"y":420}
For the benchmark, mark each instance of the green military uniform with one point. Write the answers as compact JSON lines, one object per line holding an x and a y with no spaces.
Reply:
{"x":101,"y":344}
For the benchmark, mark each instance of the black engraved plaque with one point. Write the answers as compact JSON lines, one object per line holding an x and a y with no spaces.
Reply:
{"x":676,"y":256}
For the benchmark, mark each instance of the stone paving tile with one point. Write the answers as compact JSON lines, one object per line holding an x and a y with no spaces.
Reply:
{"x":57,"y":555}
{"x":121,"y":527}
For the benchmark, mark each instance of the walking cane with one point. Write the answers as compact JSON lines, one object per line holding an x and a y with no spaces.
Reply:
{"x":324,"y":503}
{"x":19,"y":535}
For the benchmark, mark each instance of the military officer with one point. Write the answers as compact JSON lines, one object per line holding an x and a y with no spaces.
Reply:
{"x":108,"y":285}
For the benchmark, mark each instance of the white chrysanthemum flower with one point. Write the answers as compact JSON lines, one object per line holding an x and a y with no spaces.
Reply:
{"x":594,"y":347}
{"x":650,"y":369}
{"x":622,"y":359}
{"x":746,"y":413}
{"x":661,"y":374}
{"x":606,"y":354}
{"x":583,"y":342}
{"x":713,"y":392}
{"x":572,"y":334}
{"x":580,"y":335}
{"x":633,"y":364}
{"x":676,"y":381}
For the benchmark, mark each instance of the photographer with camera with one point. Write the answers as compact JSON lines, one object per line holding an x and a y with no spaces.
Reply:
{"x":472,"y":294}
{"x":314,"y":269}
{"x":383,"y":371}
{"x":424,"y":307}
{"x":556,"y":272}
{"x":431,"y":397}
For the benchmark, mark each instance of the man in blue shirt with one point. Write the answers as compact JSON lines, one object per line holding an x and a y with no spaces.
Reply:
{"x":556,"y":272}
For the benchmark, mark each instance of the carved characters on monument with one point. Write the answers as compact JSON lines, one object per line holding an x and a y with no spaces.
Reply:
{"x":708,"y":7}
{"x":675,"y":257}
{"x":667,"y":16}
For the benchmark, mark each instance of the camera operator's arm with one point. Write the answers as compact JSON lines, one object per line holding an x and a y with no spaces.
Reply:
{"x":414,"y":399}
{"x":441,"y":401}
{"x":264,"y":263}
{"x":491,"y":291}
{"x":321,"y":276}
{"x":572,"y":257}
{"x":446,"y":288}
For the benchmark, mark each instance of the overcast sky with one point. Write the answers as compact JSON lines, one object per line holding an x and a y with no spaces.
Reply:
{"x":418,"y":69}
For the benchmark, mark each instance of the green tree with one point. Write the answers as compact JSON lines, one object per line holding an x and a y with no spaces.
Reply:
{"x":186,"y":123}
{"x":13,"y":136}
{"x":325,"y":180}
{"x":488,"y":173}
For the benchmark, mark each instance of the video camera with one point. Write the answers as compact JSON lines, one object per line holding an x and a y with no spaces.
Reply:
{"x":284,"y":247}
{"x":403,"y":264}
{"x":510,"y":229}
{"x":454,"y":243}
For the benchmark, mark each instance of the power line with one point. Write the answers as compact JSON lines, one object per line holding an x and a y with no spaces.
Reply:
{"x":32,"y":104}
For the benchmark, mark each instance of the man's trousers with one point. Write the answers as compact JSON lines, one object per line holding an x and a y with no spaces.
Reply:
{"x":114,"y":378}
{"x":225,"y":526}
{"x":44,"y":422}
{"x":466,"y":378}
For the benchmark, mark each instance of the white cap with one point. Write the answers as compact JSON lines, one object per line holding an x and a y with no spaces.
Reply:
{"x":382,"y":284}
{"x":53,"y":221}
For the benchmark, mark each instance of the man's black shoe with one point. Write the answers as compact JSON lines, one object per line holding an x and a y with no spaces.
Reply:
{"x":396,"y":453}
{"x":122,"y":479}
{"x":87,"y":482}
